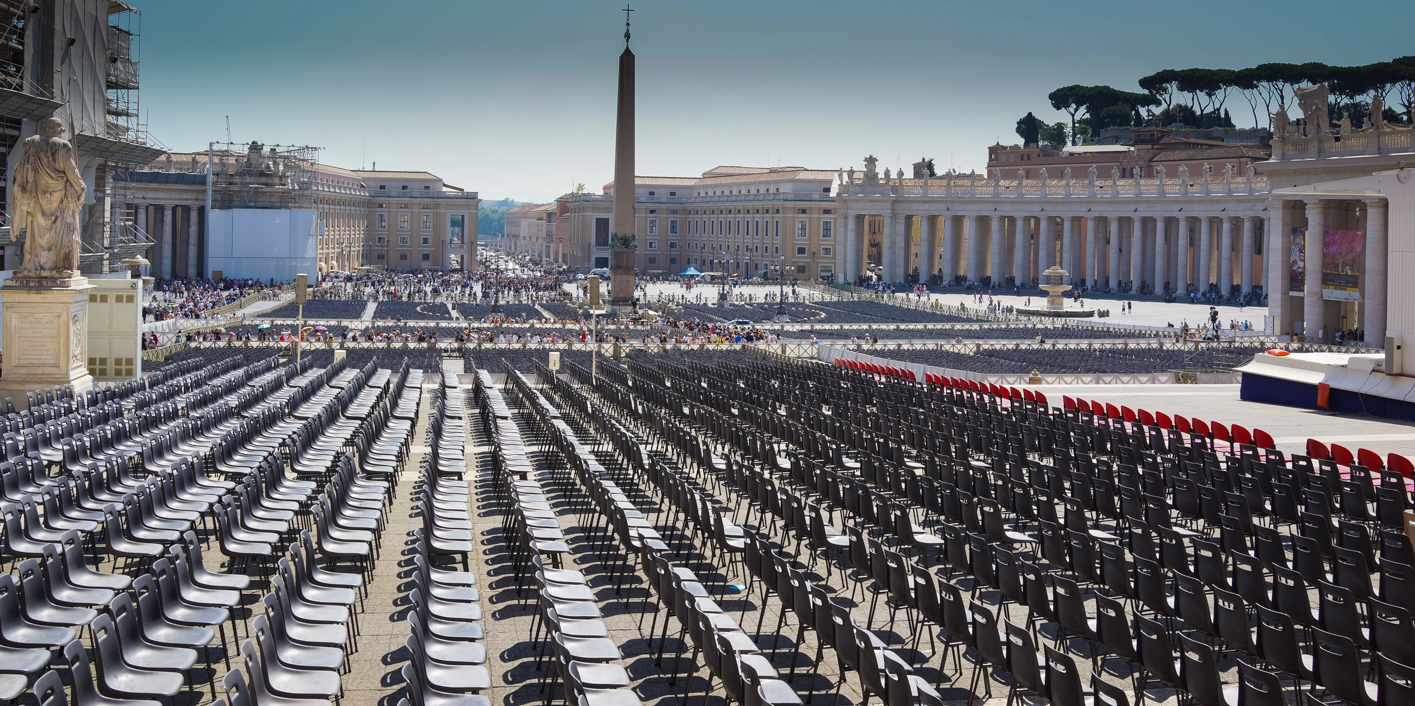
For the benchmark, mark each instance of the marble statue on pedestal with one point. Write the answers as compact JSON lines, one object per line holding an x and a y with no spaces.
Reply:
{"x":48,"y":193}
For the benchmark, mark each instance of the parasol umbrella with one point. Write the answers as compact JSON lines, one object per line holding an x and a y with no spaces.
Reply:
{"x":262,"y":327}
{"x":218,"y":329}
{"x":320,"y":328}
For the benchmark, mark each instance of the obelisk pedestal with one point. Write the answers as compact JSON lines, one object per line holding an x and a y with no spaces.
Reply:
{"x":45,"y":341}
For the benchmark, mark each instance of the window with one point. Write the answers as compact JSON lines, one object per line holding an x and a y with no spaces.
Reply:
{"x":651,"y":193}
{"x":777,"y":234}
{"x":456,"y":228}
{"x":382,"y":240}
{"x":653,"y":261}
{"x":405,"y":187}
{"x":383,"y":221}
{"x":427,"y":188}
{"x":403,"y":256}
{"x":427,"y":240}
{"x":382,"y":186}
{"x":800,"y":211}
{"x":673,"y":226}
{"x":800,"y":229}
{"x":672,"y":260}
{"x":601,"y":233}
{"x":800,"y":269}
{"x":427,"y":221}
{"x":601,"y":262}
{"x":653,"y":226}
{"x":827,"y":270}
{"x":673,"y":193}
{"x":403,"y":221}
{"x":826,"y":228}
{"x":826,"y":251}
{"x":653,"y":245}
{"x":673,"y":245}
{"x":380,"y":256}
{"x":402,"y":240}
{"x":427,"y":257}
{"x":800,"y":251}
{"x":826,"y":211}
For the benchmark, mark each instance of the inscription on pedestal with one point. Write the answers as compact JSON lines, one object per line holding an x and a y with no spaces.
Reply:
{"x":35,"y":339}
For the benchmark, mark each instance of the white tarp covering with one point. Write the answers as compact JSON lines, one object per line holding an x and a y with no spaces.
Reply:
{"x":262,"y":243}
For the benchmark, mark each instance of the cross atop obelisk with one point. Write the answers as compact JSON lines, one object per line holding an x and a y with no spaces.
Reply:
{"x":623,"y":253}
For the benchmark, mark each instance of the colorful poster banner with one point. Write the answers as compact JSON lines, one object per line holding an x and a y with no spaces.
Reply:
{"x":1343,"y":263}
{"x":1297,"y":262}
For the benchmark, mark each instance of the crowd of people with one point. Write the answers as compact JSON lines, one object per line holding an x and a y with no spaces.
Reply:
{"x":197,"y":299}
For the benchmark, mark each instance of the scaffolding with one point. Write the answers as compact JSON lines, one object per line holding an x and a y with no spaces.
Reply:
{"x":121,"y":73}
{"x":252,"y":175}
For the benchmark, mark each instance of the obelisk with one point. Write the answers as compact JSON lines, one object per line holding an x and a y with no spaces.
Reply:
{"x":622,"y":241}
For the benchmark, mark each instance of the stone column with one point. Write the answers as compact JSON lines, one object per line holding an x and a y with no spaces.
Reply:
{"x":1021,"y":248}
{"x":1202,"y":276}
{"x":1068,"y":250}
{"x":1113,"y":255}
{"x":928,"y":248}
{"x":1276,"y":276}
{"x":1377,"y":250}
{"x":140,"y":220}
{"x":903,"y":238}
{"x":888,"y":255}
{"x":1225,"y":257}
{"x":1092,"y":254}
{"x":1314,"y":308}
{"x":852,"y":251}
{"x":1137,"y":250}
{"x":193,"y":265}
{"x":1177,"y":249}
{"x":1245,"y":260}
{"x":950,"y":249}
{"x":169,"y":242}
{"x":975,"y":252}
{"x":997,"y":266}
{"x":1046,"y":245}
{"x":1161,"y":253}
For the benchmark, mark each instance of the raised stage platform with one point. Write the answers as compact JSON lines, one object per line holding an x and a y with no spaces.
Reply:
{"x":1351,"y":383}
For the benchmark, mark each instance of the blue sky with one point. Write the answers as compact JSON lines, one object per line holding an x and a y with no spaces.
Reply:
{"x":516,"y":99}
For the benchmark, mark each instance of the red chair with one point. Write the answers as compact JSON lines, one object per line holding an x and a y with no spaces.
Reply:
{"x":911,"y":375}
{"x":1027,"y":395}
{"x":1146,"y":418}
{"x":1240,"y":434}
{"x":1067,"y":403}
{"x":1341,"y":455}
{"x":1014,"y":393}
{"x":1127,"y":414}
{"x":1219,"y":431}
{"x":1263,"y":440}
{"x":1317,"y":450}
{"x":1181,"y":423}
{"x":1112,"y":411}
{"x":1370,"y":459}
{"x":1400,"y":464}
{"x":1041,"y":399}
{"x":1200,"y":428}
{"x":1083,"y":406}
{"x":1163,"y":421}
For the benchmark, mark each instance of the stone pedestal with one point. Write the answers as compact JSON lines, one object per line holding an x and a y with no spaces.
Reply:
{"x":45,"y":336}
{"x":621,"y":285}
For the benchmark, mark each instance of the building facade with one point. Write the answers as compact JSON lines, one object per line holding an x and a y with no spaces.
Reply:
{"x":748,"y":221}
{"x":383,"y":219}
{"x":1145,"y":234}
{"x":1140,"y":155}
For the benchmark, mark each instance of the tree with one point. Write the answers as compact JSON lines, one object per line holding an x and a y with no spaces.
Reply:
{"x":1207,"y":88}
{"x":1029,"y":128}
{"x":1177,"y":114}
{"x":1070,"y":100}
{"x":1115,"y":116}
{"x":491,"y":221}
{"x":1161,"y":85}
{"x":1403,"y":82}
{"x":929,"y":165}
{"x":579,"y":189}
{"x":1054,"y":134}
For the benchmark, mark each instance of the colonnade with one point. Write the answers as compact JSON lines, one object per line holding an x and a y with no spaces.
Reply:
{"x":178,"y":232}
{"x":1317,"y":306}
{"x":1112,"y":248}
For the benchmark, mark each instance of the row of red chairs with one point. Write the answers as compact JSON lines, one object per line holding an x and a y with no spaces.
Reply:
{"x":1222,"y":435}
{"x":1003,"y":391}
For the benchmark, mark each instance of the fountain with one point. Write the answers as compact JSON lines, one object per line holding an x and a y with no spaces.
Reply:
{"x":1056,"y":304}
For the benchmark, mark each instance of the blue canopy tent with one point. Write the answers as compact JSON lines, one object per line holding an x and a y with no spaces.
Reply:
{"x":690,"y":272}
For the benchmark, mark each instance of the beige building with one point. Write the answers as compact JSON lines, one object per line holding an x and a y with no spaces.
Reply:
{"x":418,"y":222}
{"x":743,"y":220}
{"x":530,"y":229}
{"x":397,"y":220}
